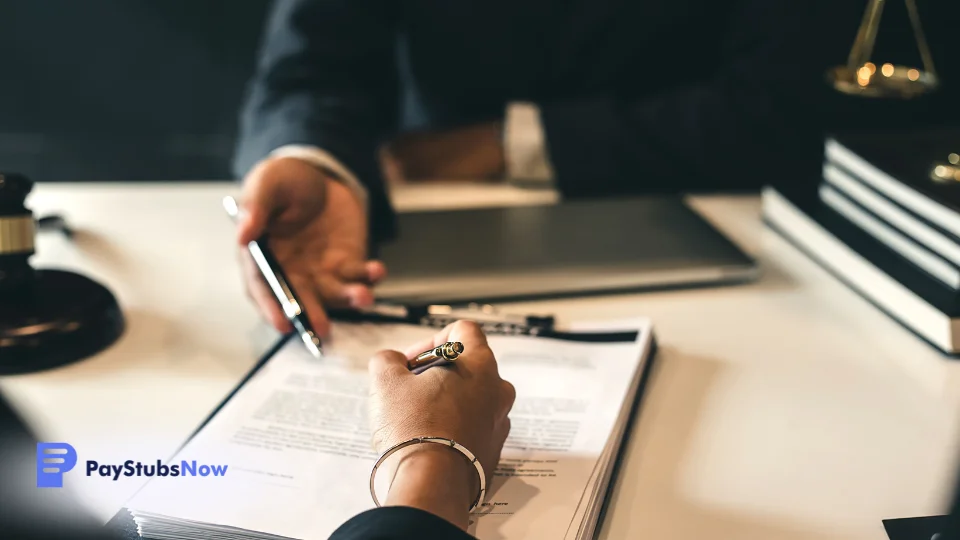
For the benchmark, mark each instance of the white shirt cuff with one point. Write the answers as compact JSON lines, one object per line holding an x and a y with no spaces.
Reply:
{"x":324,"y":160}
{"x":525,"y":145}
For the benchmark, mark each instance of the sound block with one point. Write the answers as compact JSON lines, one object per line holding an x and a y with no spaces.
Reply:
{"x":60,"y":319}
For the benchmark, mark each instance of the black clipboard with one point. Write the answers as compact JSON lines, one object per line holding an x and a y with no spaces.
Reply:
{"x":123,"y":527}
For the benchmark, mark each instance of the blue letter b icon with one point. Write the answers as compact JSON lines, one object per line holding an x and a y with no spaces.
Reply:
{"x":54,"y":459}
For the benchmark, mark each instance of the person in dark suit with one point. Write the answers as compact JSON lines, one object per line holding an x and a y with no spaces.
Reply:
{"x":433,"y":485}
{"x":599,"y":97}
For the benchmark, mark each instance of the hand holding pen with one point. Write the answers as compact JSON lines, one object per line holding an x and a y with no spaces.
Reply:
{"x":465,"y":401}
{"x":441,"y":355}
{"x":317,"y":231}
{"x":278,"y":283}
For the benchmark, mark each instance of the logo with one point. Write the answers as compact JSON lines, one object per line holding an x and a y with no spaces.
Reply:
{"x":54,"y":459}
{"x":135,"y":468}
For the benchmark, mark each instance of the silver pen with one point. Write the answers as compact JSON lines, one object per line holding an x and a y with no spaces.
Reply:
{"x":273,"y":274}
{"x":441,"y":355}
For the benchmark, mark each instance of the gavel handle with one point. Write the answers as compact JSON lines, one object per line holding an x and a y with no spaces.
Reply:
{"x":54,"y":223}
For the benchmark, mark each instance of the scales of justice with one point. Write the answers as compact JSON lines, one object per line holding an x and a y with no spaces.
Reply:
{"x":860,"y":76}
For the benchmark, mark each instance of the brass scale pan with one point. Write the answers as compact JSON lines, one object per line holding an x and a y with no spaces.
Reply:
{"x":861,"y":77}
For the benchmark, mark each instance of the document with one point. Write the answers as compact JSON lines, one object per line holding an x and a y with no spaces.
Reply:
{"x":296,"y":442}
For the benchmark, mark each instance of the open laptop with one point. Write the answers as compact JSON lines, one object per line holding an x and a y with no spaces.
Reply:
{"x":581,"y":247}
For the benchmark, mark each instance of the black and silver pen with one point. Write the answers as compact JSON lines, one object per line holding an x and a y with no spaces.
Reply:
{"x":441,"y":355}
{"x":273,"y":274}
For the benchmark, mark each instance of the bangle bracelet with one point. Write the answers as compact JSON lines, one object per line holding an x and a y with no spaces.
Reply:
{"x":436,"y":440}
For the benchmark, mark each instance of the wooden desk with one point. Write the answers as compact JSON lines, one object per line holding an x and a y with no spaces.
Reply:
{"x":789,"y":408}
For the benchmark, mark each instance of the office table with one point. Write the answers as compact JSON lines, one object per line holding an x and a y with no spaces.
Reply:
{"x":788,"y":408}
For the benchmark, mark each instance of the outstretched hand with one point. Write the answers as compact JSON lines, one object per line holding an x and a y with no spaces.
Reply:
{"x":317,"y":229}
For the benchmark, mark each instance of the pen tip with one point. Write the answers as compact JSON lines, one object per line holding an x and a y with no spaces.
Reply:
{"x":313,"y":344}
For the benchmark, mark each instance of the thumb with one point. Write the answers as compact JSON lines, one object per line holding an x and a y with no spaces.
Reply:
{"x":258,"y":202}
{"x":388,"y":365}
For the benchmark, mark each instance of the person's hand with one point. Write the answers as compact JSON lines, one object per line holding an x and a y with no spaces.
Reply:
{"x":467,"y":402}
{"x":317,"y":230}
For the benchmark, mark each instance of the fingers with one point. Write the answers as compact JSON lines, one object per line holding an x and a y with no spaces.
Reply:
{"x":251,"y":226}
{"x":336,"y":293}
{"x":358,"y":296}
{"x":466,"y":332}
{"x":258,"y":202}
{"x":261,"y":295}
{"x":269,"y":307}
{"x":376,"y":271}
{"x":421,"y":346}
{"x":310,"y":304}
{"x":369,"y":272}
{"x":469,"y":333}
{"x":313,"y":295}
{"x":388,"y":364}
{"x":351,"y":287}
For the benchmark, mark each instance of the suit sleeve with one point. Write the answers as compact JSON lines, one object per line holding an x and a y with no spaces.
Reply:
{"x":398,"y":523}
{"x":326,"y":78}
{"x":755,"y":111}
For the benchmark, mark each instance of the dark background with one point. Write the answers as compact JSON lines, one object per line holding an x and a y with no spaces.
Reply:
{"x":149,"y":89}
{"x":123,"y":89}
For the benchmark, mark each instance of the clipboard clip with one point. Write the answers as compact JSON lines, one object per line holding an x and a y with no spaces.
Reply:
{"x":490,"y":319}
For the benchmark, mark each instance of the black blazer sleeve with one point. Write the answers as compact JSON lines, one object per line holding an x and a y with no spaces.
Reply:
{"x":752,"y":103}
{"x":326,"y":76}
{"x":398,"y":523}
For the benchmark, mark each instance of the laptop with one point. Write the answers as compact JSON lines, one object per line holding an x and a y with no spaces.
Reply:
{"x":571,"y":248}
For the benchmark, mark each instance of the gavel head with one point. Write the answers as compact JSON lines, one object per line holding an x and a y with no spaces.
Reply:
{"x":17,"y":234}
{"x":48,"y":317}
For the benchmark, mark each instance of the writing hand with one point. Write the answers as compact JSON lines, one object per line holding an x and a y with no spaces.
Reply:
{"x":467,"y":402}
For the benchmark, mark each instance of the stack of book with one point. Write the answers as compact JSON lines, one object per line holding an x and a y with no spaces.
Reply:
{"x":885,"y":219}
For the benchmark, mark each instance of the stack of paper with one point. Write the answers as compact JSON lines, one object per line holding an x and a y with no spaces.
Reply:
{"x":296,"y":445}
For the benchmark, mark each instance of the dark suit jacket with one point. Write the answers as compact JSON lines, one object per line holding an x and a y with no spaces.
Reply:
{"x":636,"y":95}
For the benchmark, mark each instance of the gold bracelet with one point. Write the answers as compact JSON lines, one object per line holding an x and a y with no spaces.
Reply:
{"x":436,"y":440}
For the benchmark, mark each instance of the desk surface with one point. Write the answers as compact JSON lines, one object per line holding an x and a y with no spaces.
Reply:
{"x":788,"y":408}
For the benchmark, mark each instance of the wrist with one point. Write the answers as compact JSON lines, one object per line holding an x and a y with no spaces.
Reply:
{"x":330,"y":167}
{"x":437,"y":480}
